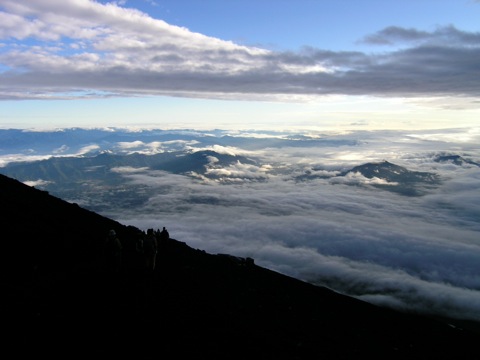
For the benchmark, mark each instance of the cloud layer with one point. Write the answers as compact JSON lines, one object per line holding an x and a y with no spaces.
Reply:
{"x":83,"y":48}
{"x":417,"y":253}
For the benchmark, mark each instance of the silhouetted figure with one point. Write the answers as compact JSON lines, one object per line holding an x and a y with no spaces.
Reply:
{"x":113,"y":252}
{"x":139,"y":243}
{"x":138,"y":256}
{"x":164,"y":235}
{"x":150,"y":247}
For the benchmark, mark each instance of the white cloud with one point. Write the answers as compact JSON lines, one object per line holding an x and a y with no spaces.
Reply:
{"x":87,"y":149}
{"x":237,"y":170}
{"x":9,"y":158}
{"x":38,"y":182}
{"x":356,"y":178}
{"x":131,"y":145}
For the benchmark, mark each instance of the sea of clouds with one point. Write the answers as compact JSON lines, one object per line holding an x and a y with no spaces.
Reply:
{"x":414,"y":253}
{"x":417,"y":253}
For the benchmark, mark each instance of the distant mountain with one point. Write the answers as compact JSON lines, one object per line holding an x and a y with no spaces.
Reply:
{"x":455,"y":159}
{"x":197,"y":162}
{"x":397,"y":178}
{"x":96,"y":167}
{"x":91,"y":177}
{"x":61,"y":303}
{"x":388,"y":177}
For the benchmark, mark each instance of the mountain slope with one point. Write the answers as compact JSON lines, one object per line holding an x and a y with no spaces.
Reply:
{"x":60,"y":302}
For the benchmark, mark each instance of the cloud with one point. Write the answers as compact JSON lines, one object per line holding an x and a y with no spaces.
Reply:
{"x":442,"y":35}
{"x":87,"y":149}
{"x":236,"y":171}
{"x":128,"y":170}
{"x":418,"y":254}
{"x":82,"y":48}
{"x":358,"y":179}
{"x":39,"y":182}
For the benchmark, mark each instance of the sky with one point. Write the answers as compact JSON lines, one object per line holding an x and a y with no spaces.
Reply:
{"x":325,"y":65}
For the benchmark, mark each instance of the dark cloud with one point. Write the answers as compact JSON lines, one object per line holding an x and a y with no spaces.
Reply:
{"x":394,"y":35}
{"x":419,"y":71}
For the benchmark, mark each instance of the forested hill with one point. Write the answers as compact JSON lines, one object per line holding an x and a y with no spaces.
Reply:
{"x":62,"y":304}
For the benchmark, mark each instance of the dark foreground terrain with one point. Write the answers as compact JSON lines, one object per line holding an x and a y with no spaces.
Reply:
{"x":61,"y":303}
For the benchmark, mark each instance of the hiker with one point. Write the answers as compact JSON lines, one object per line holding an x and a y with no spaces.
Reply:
{"x":139,"y":243}
{"x":113,"y":252}
{"x":164,"y":235}
{"x":138,"y":256}
{"x":150,"y":247}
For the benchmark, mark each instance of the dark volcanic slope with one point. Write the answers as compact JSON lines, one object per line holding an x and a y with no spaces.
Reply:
{"x":61,"y":304}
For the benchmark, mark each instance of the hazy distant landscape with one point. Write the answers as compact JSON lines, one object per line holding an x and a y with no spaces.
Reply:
{"x":390,"y":217}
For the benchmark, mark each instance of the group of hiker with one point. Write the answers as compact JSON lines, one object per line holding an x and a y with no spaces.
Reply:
{"x":143,"y":254}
